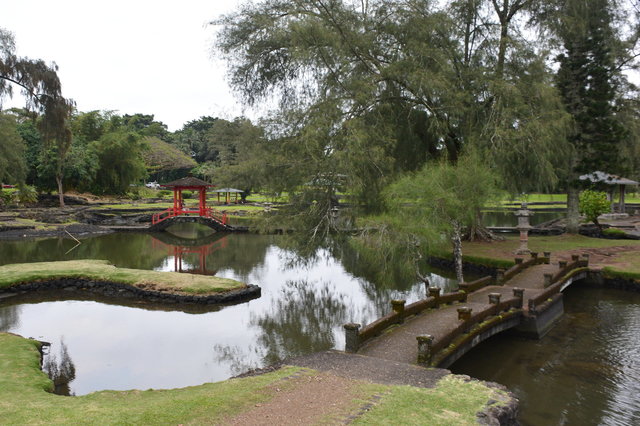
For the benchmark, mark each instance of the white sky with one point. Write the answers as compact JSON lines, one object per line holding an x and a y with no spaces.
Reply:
{"x":136,"y":56}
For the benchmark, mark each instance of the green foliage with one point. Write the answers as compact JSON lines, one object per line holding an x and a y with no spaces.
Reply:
{"x":163,"y":157}
{"x":614,"y":232}
{"x":120,"y":161}
{"x":593,"y":204}
{"x":26,"y":195}
{"x":442,"y":194}
{"x":12,"y":151}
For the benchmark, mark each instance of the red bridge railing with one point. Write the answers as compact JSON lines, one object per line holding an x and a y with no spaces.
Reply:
{"x":208,"y":212}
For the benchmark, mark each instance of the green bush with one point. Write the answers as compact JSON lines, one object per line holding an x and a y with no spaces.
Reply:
{"x":614,"y":232}
{"x":26,"y":194}
{"x":593,"y":204}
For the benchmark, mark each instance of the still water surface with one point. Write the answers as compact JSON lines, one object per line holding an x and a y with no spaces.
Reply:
{"x":586,"y":371}
{"x":110,"y":346}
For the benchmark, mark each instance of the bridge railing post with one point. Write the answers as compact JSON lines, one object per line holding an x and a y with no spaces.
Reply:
{"x":547,"y":256}
{"x":435,"y":293}
{"x":532,"y":307}
{"x":464,"y":314}
{"x":534,"y":254}
{"x":398,"y":308}
{"x":548,"y":278}
{"x":500,"y":277}
{"x":425,"y":344}
{"x":494,"y":299}
{"x":352,"y":337}
{"x":585,"y":257}
{"x":562,"y":264}
{"x":519,"y":293}
{"x":575,"y":257}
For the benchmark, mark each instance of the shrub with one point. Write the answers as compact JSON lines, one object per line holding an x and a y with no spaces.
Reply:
{"x":26,"y":194}
{"x":614,"y":232}
{"x":593,"y":204}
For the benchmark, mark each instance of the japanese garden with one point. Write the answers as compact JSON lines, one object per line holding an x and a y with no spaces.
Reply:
{"x":432,"y":218}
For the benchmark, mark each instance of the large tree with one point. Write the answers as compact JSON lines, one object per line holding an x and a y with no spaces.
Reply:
{"x":370,"y":89}
{"x":588,"y":79}
{"x":40,"y":85}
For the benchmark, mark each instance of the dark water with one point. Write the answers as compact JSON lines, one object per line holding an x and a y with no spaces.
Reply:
{"x":105,"y":345}
{"x":508,"y":218}
{"x":586,"y":371}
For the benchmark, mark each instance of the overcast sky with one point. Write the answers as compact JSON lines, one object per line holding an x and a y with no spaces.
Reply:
{"x":135,"y":56}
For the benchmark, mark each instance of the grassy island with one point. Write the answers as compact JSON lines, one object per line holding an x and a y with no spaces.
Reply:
{"x":101,"y":270}
{"x":25,"y":398}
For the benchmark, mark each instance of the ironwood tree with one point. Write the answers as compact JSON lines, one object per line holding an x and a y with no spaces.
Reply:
{"x":40,"y":85}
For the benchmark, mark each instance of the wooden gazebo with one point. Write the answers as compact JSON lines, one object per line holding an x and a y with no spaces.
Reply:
{"x":613,"y":181}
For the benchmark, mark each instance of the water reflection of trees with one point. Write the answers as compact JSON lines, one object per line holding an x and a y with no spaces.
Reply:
{"x":300,"y":322}
{"x":61,"y":372}
{"x":9,"y":317}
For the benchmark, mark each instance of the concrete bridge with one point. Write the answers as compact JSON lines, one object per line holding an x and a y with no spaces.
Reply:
{"x":439,"y":329}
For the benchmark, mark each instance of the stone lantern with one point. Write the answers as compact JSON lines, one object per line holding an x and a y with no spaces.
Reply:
{"x":524,"y":226}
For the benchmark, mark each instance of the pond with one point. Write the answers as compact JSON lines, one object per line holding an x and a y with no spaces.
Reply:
{"x":584,"y":372}
{"x":506,"y":218}
{"x":107,"y":344}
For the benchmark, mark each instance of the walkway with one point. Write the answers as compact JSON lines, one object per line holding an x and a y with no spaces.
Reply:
{"x":398,"y":343}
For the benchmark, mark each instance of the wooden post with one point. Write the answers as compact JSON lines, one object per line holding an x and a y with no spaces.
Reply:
{"x":547,"y":279}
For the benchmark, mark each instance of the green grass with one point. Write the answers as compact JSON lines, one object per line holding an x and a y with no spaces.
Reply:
{"x":100,"y":270}
{"x":452,"y":402}
{"x":24,"y":398}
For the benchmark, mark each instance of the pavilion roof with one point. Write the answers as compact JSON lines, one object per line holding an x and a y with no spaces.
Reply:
{"x":228,"y":190}
{"x":187,"y":181}
{"x":602,"y":177}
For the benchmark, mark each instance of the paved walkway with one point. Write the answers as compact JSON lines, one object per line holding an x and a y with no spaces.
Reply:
{"x":399,"y":343}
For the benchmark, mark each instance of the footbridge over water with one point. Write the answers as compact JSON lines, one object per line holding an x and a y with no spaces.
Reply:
{"x":439,"y":329}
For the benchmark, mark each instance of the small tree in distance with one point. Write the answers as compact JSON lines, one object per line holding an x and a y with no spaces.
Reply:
{"x":593,"y":204}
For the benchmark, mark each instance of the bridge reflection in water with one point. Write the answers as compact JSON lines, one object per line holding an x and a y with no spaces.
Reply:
{"x":183,"y":250}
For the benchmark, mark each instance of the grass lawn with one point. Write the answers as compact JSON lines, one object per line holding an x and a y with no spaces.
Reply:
{"x":24,"y":398}
{"x":619,"y":255}
{"x":100,"y":270}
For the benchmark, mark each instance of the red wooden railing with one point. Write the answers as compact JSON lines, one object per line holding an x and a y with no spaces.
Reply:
{"x":208,"y":212}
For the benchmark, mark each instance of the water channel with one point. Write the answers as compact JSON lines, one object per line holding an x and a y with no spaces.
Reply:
{"x":583,"y":372}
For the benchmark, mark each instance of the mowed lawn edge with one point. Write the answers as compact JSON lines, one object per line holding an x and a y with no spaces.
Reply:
{"x":25,"y":397}
{"x":100,"y":270}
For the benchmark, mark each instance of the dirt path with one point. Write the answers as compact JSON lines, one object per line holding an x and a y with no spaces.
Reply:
{"x":306,"y":399}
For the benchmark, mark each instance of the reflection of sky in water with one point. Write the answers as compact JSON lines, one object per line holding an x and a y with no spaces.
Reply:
{"x":302,"y":309}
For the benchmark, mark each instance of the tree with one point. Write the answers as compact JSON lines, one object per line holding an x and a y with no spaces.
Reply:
{"x":593,"y":204}
{"x":588,"y":79}
{"x":41,"y":87}
{"x":161,"y":158}
{"x":382,"y":87}
{"x":12,"y":151}
{"x":442,"y":199}
{"x":119,"y":153}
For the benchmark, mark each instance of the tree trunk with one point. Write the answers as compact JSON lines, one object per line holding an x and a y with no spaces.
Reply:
{"x":573,"y":210}
{"x":60,"y":190}
{"x":457,"y":251}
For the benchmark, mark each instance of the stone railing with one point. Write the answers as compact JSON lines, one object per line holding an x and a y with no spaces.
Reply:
{"x":553,"y":282}
{"x":469,"y":323}
{"x":504,"y":276}
{"x":476,"y":285}
{"x":356,"y":337}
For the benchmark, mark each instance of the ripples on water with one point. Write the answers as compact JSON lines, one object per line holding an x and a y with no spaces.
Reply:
{"x":586,"y":371}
